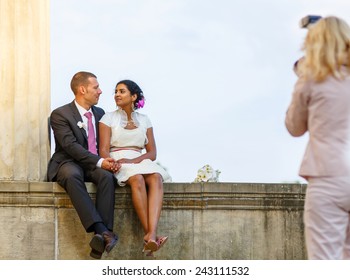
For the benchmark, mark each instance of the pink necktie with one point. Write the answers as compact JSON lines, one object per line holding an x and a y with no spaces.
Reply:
{"x":91,"y":134}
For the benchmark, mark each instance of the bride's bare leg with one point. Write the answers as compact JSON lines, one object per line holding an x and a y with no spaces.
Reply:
{"x":155,"y":202}
{"x":139,"y":199}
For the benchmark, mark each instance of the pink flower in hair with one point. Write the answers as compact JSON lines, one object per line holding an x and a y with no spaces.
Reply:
{"x":140,"y":103}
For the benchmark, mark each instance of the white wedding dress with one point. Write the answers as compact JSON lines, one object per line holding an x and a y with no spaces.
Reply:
{"x":121,"y":141}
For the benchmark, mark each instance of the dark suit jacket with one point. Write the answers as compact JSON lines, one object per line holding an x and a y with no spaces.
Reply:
{"x":71,"y":141}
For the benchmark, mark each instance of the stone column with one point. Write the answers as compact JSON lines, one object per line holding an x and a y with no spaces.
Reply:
{"x":24,"y":89}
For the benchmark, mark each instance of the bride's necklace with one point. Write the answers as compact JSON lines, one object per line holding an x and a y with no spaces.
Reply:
{"x":130,"y":123}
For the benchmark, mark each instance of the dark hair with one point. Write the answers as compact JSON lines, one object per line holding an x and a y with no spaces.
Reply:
{"x":134,"y":89}
{"x":80,"y":78}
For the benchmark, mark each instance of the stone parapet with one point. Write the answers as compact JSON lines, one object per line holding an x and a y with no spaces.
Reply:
{"x":203,"y":221}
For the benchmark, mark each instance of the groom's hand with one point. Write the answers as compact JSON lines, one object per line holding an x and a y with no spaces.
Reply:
{"x":111,"y":165}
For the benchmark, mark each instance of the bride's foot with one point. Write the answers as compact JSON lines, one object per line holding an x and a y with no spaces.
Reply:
{"x":149,"y":247}
{"x":161,"y":240}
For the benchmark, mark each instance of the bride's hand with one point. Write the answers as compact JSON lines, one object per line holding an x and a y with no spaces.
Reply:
{"x":111,"y":165}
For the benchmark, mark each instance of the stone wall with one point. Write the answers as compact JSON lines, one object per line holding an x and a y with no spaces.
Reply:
{"x":217,"y":221}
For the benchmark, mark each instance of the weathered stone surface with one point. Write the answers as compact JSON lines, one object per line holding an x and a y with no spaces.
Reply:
{"x":27,"y":233}
{"x":223,"y":221}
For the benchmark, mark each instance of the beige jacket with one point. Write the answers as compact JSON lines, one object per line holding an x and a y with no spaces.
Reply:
{"x":322,"y":109}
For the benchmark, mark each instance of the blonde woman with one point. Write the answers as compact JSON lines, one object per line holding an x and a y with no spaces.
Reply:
{"x":321,"y":106}
{"x":124,"y":135}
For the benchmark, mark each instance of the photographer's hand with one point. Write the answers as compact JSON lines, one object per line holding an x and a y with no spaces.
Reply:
{"x":297,"y":65}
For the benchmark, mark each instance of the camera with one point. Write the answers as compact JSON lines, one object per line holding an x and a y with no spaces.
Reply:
{"x":305,"y":22}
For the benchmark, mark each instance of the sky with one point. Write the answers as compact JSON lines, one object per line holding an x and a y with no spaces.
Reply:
{"x":217,"y":75}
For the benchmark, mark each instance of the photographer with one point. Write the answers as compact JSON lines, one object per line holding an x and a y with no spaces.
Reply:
{"x":321,"y":105}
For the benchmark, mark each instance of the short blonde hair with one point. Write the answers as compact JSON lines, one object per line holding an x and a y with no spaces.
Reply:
{"x":327,"y":48}
{"x":80,"y":79}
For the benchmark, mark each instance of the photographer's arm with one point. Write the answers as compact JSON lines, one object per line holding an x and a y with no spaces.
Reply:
{"x":297,"y":113}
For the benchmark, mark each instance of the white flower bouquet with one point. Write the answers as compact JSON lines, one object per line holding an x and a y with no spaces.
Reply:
{"x":207,"y":174}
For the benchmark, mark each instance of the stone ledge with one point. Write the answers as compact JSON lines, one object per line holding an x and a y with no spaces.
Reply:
{"x":205,"y":221}
{"x":224,"y":196}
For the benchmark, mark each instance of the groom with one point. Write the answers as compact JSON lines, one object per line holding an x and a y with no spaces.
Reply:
{"x":76,"y":160}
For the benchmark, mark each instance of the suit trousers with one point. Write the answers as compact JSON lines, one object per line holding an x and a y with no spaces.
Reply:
{"x":72,"y":177}
{"x":327,"y":218}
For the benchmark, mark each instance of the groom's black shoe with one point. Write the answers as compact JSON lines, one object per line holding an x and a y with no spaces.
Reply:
{"x":97,"y":245}
{"x":110,"y":240}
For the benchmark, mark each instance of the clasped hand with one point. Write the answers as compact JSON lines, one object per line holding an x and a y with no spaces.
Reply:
{"x":111,"y":164}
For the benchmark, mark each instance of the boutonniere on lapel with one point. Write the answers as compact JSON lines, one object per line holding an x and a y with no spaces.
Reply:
{"x":81,"y":125}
